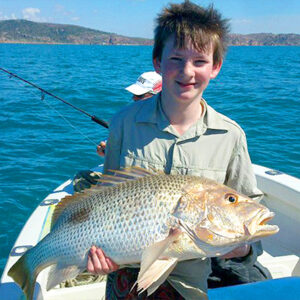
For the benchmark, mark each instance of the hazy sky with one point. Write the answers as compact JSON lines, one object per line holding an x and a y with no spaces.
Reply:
{"x":135,"y":17}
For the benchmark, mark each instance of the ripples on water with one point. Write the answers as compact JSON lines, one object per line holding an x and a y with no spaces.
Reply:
{"x":258,"y":87}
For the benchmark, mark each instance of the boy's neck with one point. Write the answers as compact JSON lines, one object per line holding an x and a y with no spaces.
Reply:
{"x":182,"y":116}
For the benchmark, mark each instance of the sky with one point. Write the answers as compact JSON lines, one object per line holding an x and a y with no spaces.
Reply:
{"x":135,"y":18}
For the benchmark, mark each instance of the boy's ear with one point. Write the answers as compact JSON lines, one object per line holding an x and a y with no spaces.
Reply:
{"x":216,"y":69}
{"x":156,"y":64}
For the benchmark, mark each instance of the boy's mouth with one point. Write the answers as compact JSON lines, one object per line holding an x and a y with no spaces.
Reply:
{"x":186,"y":85}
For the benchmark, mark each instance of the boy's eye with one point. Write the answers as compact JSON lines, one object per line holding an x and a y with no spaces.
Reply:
{"x":175,"y":58}
{"x":200,"y":62}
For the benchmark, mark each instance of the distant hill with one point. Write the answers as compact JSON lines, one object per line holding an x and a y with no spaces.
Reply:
{"x":23,"y":31}
{"x":265,"y":39}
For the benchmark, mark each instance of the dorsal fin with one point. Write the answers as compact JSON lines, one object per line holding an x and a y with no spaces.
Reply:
{"x":106,"y":180}
{"x":141,"y":171}
{"x":63,"y":203}
{"x":134,"y":172}
{"x":125,"y":174}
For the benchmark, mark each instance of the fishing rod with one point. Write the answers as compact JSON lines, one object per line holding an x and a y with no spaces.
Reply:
{"x":93,"y":118}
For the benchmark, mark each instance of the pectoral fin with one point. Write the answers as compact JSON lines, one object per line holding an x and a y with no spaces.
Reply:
{"x":156,"y":275}
{"x":150,"y":263}
{"x":152,"y":253}
{"x":60,"y":273}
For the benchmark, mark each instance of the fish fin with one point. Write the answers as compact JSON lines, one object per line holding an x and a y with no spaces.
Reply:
{"x":153,"y":252}
{"x":105,"y":181}
{"x":60,"y":273}
{"x":143,"y":172}
{"x":123,"y":175}
{"x":156,"y":275}
{"x":134,"y":172}
{"x":63,"y":203}
{"x":21,"y":274}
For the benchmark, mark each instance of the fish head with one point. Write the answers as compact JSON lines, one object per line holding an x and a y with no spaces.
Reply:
{"x":219,"y":216}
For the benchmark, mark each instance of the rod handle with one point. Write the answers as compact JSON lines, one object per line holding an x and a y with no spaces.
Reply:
{"x":99,"y":121}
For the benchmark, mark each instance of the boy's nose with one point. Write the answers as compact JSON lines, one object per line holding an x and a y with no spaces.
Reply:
{"x":187,"y":68}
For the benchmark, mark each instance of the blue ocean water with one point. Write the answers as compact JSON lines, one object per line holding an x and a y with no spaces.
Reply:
{"x":258,"y":87}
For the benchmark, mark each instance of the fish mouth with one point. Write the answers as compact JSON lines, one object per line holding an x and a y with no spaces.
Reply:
{"x":259,"y":226}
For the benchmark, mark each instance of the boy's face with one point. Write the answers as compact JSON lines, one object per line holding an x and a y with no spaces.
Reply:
{"x":185,"y":72}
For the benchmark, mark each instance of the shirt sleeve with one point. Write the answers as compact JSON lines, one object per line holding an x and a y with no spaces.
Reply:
{"x":113,"y":147}
{"x":240,"y":175}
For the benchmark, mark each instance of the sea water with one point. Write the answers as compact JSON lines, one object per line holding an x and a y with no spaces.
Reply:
{"x":43,"y":142}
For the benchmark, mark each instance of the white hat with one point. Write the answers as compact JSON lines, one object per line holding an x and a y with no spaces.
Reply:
{"x":148,"y":82}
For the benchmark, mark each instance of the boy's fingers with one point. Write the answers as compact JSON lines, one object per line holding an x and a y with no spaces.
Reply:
{"x":90,"y":266}
{"x":112,"y":265}
{"x":94,"y":265}
{"x":100,"y":150}
{"x":99,"y":263}
{"x":100,"y":259}
{"x":92,"y":250}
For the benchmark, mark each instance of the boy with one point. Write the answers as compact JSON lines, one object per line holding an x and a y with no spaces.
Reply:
{"x":177,"y":132}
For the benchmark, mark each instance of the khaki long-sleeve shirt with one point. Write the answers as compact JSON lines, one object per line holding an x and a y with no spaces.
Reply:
{"x":214,"y":147}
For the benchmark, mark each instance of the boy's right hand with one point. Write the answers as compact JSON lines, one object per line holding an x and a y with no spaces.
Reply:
{"x":98,"y":263}
{"x":101,"y":148}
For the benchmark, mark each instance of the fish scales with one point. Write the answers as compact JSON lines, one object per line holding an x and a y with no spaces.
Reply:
{"x":140,"y":219}
{"x":141,"y":210}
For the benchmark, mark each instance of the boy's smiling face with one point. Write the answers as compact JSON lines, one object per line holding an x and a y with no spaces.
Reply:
{"x":186,"y":72}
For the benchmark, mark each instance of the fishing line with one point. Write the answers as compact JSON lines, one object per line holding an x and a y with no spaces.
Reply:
{"x":93,"y":118}
{"x":62,"y":116}
{"x":66,"y":120}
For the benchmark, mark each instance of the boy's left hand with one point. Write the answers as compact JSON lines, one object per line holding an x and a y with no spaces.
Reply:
{"x":238,"y":252}
{"x":99,"y":264}
{"x":101,"y":148}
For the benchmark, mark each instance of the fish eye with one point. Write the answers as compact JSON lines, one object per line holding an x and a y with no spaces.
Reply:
{"x":231,"y":198}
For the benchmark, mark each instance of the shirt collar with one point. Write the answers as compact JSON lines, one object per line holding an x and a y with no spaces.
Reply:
{"x":151,"y":112}
{"x":212,"y":119}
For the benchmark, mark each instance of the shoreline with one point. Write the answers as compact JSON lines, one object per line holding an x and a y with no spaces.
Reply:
{"x":105,"y":44}
{"x":75,"y":44}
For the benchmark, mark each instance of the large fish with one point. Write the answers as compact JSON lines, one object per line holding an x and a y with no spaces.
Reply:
{"x":137,"y":216}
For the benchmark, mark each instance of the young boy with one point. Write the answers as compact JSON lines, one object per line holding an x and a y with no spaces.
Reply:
{"x":178,"y":132}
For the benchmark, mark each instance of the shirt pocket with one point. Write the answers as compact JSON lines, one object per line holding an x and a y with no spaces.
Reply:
{"x":130,"y":159}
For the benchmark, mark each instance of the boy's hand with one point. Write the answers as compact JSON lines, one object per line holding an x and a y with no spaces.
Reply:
{"x":101,"y":148}
{"x":98,"y":263}
{"x":237,"y":252}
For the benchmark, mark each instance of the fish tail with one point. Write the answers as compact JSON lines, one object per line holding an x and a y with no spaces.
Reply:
{"x":22,"y":275}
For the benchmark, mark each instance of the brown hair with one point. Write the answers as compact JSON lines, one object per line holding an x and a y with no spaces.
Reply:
{"x":188,"y":21}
